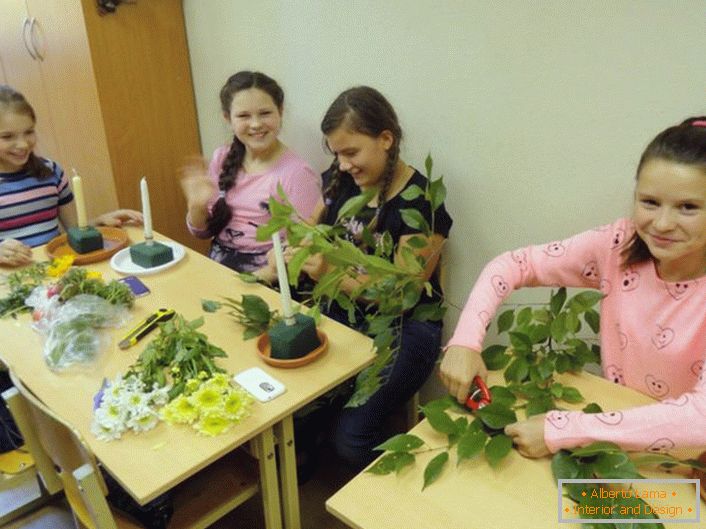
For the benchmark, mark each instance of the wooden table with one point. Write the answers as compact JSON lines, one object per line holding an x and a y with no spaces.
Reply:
{"x":520,"y":493}
{"x":151,"y":463}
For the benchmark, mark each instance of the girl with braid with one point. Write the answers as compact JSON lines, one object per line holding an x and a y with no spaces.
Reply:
{"x":362,"y":131}
{"x":228,"y":199}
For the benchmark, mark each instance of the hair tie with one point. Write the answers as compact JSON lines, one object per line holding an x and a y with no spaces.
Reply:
{"x":222,"y":194}
{"x":699,"y":123}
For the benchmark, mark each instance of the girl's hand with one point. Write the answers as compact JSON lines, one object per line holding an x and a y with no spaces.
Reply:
{"x":268,"y":273}
{"x":458,"y":369}
{"x":528,"y":436}
{"x":119,"y":217}
{"x":14,"y":253}
{"x":196,"y":184}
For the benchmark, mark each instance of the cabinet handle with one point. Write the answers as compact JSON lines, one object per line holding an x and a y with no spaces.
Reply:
{"x":32,"y":25}
{"x":25,"y":25}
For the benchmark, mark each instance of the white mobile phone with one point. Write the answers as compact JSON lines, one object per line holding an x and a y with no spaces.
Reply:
{"x":259,"y":384}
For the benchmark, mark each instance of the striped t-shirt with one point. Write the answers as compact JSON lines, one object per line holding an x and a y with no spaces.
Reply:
{"x":29,"y":206}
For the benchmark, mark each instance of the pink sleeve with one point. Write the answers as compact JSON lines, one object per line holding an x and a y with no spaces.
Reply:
{"x":572,"y":262}
{"x":303,"y":189}
{"x":214,"y":170}
{"x":659,"y":427}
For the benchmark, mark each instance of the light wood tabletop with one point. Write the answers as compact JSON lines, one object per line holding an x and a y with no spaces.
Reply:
{"x":150,"y":463}
{"x":521,"y":492}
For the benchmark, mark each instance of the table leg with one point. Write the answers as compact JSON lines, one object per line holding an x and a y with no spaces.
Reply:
{"x":269,"y":486}
{"x":288,"y":473}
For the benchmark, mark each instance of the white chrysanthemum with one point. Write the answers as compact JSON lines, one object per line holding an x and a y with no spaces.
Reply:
{"x":141,"y":422}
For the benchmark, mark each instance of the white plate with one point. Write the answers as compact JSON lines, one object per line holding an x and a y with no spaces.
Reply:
{"x":121,"y":261}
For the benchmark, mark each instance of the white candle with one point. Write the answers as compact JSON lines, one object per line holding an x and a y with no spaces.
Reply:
{"x":78,"y":198}
{"x":283,"y":281}
{"x":146,"y":211}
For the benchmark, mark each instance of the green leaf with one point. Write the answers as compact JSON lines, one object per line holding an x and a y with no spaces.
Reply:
{"x":392,"y":462}
{"x":294,"y":267}
{"x":571,"y":395}
{"x":412,"y":192}
{"x":592,"y":408}
{"x":598,"y":447}
{"x":414,"y":219}
{"x":471,"y":444}
{"x":558,"y":327}
{"x":542,"y":315}
{"x":497,"y":448}
{"x":434,"y":468}
{"x":439,"y":420}
{"x":524,"y":316}
{"x":502,"y":395}
{"x":494,"y":357}
{"x":401,"y":443}
{"x":593,"y":319}
{"x":418,"y":242}
{"x":437,"y":190}
{"x":557,"y":301}
{"x":209,"y":305}
{"x":441,"y":404}
{"x":586,"y":299}
{"x":505,"y":321}
{"x":517,"y":371}
{"x":247,"y":277}
{"x":539,"y":405}
{"x":615,"y":465}
{"x":428,"y":164}
{"x":410,"y":295}
{"x":429,"y":312}
{"x":557,"y":390}
{"x":355,"y":204}
{"x":496,"y":415}
{"x":521,"y":343}
{"x":564,"y":466}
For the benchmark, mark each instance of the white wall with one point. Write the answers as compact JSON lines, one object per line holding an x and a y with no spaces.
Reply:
{"x":534,"y":111}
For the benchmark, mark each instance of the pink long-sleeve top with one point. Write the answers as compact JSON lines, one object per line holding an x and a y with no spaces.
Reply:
{"x":653,"y":337}
{"x":250,"y":195}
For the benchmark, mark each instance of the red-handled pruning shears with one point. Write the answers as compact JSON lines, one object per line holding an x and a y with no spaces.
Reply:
{"x":479,"y":395}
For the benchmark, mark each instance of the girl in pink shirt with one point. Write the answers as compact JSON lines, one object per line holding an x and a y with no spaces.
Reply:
{"x":229,"y":199}
{"x":652,"y":271}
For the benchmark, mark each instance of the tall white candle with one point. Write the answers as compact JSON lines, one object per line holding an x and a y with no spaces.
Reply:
{"x":77,"y":186}
{"x":146,"y":210}
{"x":283,"y":281}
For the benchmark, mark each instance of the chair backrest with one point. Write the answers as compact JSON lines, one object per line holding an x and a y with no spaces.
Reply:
{"x":65,"y":447}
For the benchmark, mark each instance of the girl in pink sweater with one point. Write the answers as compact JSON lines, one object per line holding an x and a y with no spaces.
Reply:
{"x":652,"y":270}
{"x":229,"y":199}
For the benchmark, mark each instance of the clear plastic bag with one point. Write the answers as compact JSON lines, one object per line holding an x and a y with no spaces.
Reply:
{"x":73,"y":328}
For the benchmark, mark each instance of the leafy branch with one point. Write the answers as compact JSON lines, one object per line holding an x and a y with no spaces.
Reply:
{"x":386,"y":291}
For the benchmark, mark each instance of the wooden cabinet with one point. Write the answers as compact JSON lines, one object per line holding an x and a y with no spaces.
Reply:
{"x":113,"y":97}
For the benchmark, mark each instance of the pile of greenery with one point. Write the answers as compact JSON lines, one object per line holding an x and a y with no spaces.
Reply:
{"x":20,"y":285}
{"x":80,"y":281}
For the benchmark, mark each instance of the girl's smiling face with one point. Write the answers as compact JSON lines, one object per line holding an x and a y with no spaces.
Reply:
{"x":17,"y":140}
{"x":670,"y":217}
{"x":363,"y":157}
{"x":256,"y":120}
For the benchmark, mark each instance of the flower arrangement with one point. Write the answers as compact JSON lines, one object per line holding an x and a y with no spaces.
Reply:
{"x":175,"y":379}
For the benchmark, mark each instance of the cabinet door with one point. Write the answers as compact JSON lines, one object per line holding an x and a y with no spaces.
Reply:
{"x":67,"y":75}
{"x":22,"y":72}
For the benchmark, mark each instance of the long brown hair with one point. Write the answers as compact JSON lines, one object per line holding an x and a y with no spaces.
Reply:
{"x":221,"y":212}
{"x":13,"y":101}
{"x":364,"y":110}
{"x":685,"y":144}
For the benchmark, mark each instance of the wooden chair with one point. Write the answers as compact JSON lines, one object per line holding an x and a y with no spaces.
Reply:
{"x":198,"y":502}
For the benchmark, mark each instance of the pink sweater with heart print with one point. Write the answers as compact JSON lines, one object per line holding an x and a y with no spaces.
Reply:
{"x":653,"y":337}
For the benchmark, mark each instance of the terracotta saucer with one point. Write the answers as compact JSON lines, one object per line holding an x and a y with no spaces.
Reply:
{"x":114,"y":239}
{"x":263,"y":350}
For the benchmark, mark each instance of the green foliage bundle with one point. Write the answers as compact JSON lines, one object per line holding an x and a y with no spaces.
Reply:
{"x":180,"y":352}
{"x":389,"y":291}
{"x":20,"y":285}
{"x":79,"y":281}
{"x":252,"y":312}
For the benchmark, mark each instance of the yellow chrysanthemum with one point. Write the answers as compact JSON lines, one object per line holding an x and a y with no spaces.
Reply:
{"x":60,"y":265}
{"x":237,"y":405}
{"x":192,"y":385}
{"x":218,"y":382}
{"x":206,"y":398}
{"x":212,"y":424}
{"x":202,"y":375}
{"x":180,"y":411}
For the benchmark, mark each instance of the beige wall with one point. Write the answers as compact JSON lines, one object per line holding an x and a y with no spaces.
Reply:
{"x":535,"y":111}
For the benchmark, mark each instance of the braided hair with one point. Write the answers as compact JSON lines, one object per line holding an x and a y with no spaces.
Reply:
{"x":221,"y":213}
{"x":364,"y":110}
{"x":685,"y":144}
{"x":13,"y":101}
